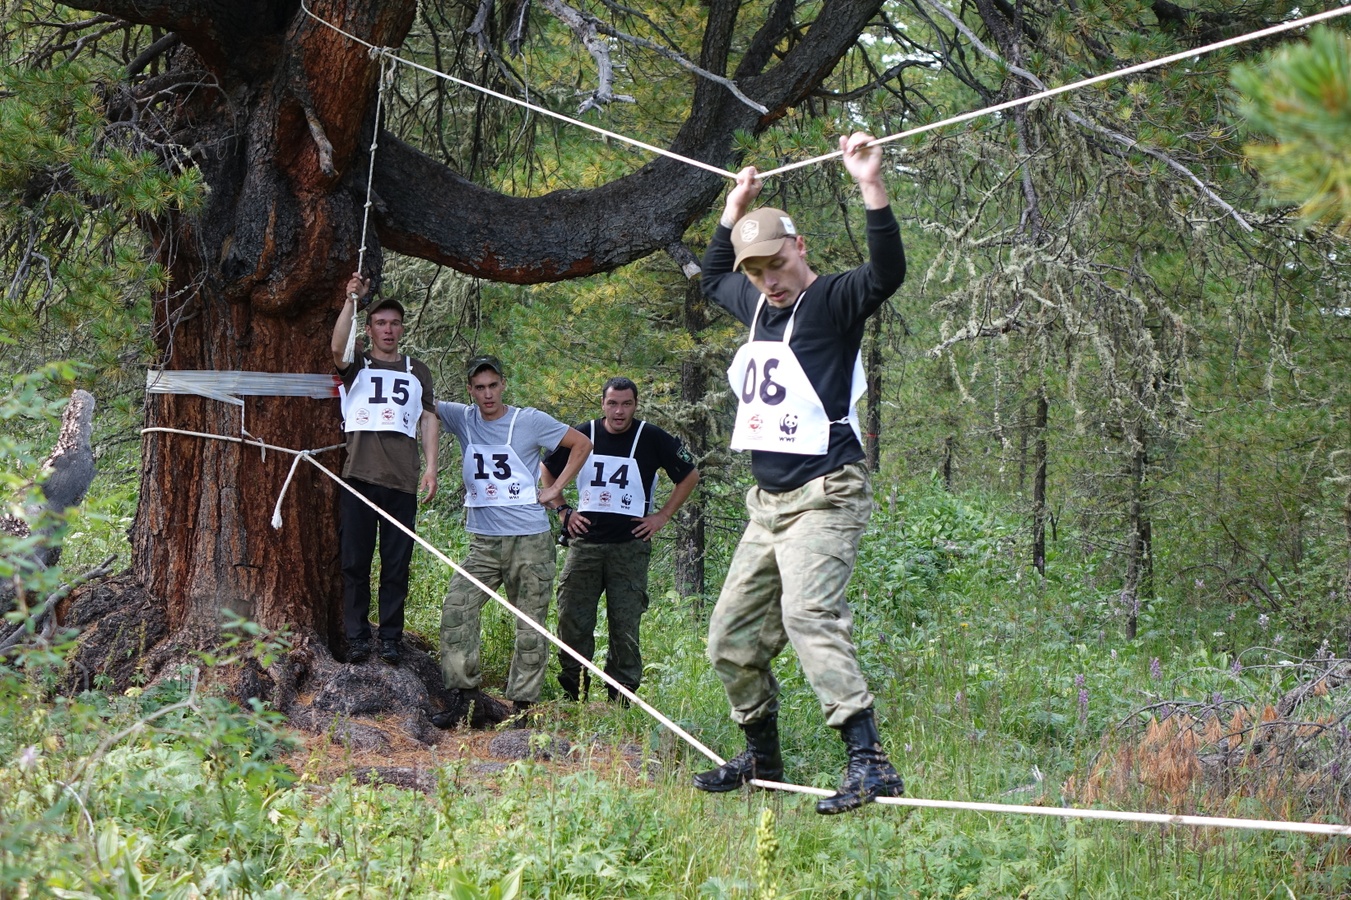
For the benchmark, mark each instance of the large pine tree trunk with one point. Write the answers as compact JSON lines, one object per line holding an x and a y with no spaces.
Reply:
{"x":267,"y":261}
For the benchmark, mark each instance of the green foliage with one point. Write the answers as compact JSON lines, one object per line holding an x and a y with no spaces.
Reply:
{"x":78,"y":275}
{"x":1299,"y":101}
{"x":977,"y":665}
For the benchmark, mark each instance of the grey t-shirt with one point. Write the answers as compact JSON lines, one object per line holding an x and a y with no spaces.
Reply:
{"x":535,"y":435}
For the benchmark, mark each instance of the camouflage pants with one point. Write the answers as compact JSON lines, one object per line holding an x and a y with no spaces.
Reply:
{"x":620,"y":572}
{"x":786,"y":583}
{"x":524,"y":564}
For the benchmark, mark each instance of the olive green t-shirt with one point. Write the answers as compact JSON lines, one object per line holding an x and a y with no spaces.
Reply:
{"x":387,"y":458}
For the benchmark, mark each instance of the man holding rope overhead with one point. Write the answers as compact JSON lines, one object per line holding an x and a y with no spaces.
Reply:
{"x":387,"y":404}
{"x":510,"y":542}
{"x":797,"y":381}
{"x":610,"y":534}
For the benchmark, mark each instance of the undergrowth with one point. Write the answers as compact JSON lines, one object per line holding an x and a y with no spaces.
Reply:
{"x":993,"y":684}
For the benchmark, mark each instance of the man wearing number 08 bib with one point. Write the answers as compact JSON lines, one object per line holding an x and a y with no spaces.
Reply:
{"x":797,"y":381}
{"x":510,"y":543}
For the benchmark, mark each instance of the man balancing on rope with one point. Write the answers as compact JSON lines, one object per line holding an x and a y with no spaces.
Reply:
{"x":387,"y":404}
{"x":509,"y":539}
{"x":797,"y":380}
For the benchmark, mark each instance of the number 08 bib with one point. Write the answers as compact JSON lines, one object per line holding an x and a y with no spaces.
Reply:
{"x":778,"y":409}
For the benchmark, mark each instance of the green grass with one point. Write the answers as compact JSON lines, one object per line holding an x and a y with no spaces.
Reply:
{"x":974,"y":662}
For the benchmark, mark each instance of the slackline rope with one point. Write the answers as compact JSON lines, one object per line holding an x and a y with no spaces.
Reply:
{"x":1096,"y":79}
{"x":1302,"y":22}
{"x":957,"y":805}
{"x":307,"y":455}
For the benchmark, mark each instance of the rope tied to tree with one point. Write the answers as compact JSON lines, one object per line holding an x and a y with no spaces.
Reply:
{"x":385,"y":78}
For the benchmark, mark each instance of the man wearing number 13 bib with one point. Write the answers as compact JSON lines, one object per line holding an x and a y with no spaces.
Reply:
{"x":797,"y":380}
{"x":510,"y":544}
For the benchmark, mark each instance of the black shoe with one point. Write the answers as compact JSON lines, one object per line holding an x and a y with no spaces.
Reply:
{"x":358,"y":650}
{"x":521,"y":706}
{"x":575,"y":685}
{"x":761,"y":759}
{"x":456,"y":712}
{"x":616,"y":697}
{"x":869,"y":774}
{"x":391,"y":651}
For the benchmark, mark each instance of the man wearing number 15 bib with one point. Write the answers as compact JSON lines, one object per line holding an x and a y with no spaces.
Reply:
{"x":387,"y":407}
{"x":510,"y":543}
{"x":797,"y":380}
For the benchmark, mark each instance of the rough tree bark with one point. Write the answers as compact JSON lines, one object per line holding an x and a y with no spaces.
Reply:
{"x":276,"y":111}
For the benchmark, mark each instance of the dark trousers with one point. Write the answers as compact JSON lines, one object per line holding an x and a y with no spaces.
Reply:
{"x":357,"y":533}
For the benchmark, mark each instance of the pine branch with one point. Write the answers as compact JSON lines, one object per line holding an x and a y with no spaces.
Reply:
{"x":1116,"y":136}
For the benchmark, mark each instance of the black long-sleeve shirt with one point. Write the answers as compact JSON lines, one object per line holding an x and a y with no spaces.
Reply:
{"x":827,"y":334}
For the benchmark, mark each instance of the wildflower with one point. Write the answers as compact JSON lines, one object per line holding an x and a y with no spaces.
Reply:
{"x":1114,"y":655}
{"x":1216,"y":698}
{"x":1079,"y":681}
{"x":28,"y":758}
{"x":1155,"y":669}
{"x":1083,"y":706}
{"x":1200,"y":583}
{"x":1236,"y":668}
{"x":1263,"y":621}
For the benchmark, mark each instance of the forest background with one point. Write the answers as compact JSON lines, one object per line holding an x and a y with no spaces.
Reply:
{"x":1108,"y":415}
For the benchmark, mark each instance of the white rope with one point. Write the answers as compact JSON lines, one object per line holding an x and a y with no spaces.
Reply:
{"x":276,"y":510}
{"x":1302,"y":22}
{"x":1096,"y":79}
{"x":959,"y":805}
{"x":525,"y":103}
{"x":386,"y":75}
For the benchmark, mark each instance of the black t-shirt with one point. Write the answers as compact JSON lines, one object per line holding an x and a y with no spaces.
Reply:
{"x":827,"y":334}
{"x":656,"y":450}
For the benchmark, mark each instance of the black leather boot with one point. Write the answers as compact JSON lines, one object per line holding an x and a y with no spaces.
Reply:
{"x":869,"y":775}
{"x":760,"y":759}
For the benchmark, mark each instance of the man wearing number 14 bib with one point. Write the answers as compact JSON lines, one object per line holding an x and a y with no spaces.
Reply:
{"x":797,"y":380}
{"x":510,"y":543}
{"x":610,"y":534}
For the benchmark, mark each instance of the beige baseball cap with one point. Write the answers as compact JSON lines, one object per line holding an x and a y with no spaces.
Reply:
{"x":761,"y":233}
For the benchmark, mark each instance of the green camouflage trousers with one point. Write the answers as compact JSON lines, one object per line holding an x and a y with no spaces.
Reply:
{"x":620,"y":571}
{"x":524,"y":564}
{"x":786,"y":583}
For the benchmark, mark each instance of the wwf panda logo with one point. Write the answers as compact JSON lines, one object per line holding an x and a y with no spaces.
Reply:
{"x":788,"y":424}
{"x":626,"y":501}
{"x":514,"y":491}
